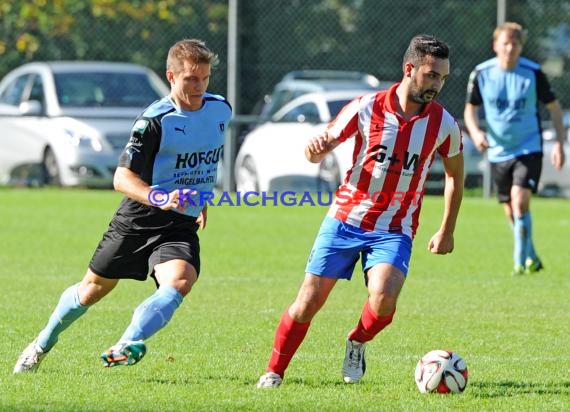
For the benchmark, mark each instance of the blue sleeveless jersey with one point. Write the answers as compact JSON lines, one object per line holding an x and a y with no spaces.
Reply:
{"x":172,"y":149}
{"x":510,"y":100}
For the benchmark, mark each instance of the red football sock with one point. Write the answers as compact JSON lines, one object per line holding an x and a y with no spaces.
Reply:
{"x":288,"y":338}
{"x":369,"y":324}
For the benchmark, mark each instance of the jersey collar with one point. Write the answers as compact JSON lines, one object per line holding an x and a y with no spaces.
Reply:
{"x":390,"y":103}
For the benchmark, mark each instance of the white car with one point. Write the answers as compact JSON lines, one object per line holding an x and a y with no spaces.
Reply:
{"x":66,"y":123}
{"x":272,"y":156}
{"x":299,"y":82}
{"x":475,"y":168}
{"x":555,"y":182}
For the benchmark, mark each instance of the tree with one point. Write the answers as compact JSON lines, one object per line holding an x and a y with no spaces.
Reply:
{"x":115,"y":30}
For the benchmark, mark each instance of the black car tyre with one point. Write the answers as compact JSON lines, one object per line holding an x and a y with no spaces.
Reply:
{"x":329,"y":178}
{"x":51,"y":168}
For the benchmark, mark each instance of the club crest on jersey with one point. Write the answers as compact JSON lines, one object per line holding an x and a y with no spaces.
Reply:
{"x":140,"y":126}
{"x":222,"y":126}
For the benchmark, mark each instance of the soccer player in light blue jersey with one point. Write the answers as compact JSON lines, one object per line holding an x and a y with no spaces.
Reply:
{"x":172,"y":153}
{"x":510,"y":87}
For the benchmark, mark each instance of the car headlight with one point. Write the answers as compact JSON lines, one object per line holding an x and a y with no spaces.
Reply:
{"x":80,"y":140}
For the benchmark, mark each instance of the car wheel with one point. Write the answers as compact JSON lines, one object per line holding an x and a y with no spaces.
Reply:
{"x":329,"y":175}
{"x":551,"y":190}
{"x":51,"y":168}
{"x":472,"y":181}
{"x":246,"y":178}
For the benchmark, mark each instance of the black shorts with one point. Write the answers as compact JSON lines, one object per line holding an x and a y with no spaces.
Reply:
{"x":132,"y":254}
{"x":521,"y":171}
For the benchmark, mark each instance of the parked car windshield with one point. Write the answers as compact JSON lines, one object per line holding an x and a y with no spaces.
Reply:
{"x":336,"y":105}
{"x":91,"y":89}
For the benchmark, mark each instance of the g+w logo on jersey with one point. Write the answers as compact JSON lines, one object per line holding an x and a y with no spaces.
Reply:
{"x":381,"y":155}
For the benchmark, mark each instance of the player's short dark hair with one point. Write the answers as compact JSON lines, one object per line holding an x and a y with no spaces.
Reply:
{"x":189,"y":49}
{"x":424,"y":45}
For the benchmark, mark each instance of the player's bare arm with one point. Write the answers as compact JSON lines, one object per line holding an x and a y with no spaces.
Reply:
{"x":319,"y":146}
{"x":557,"y":157}
{"x":129,"y":183}
{"x":442,"y":242}
{"x":472,"y":124}
{"x":203,"y":217}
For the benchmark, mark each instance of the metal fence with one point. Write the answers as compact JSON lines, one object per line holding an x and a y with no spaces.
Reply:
{"x":268,"y":38}
{"x":275,"y":37}
{"x":371,"y":35}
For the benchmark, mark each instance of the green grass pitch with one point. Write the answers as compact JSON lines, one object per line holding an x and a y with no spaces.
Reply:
{"x":512,"y":332}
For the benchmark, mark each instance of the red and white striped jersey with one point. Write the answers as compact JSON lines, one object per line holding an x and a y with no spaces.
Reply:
{"x":383,"y":190}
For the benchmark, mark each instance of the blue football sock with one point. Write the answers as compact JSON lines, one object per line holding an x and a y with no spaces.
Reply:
{"x":67,"y":311}
{"x":520,"y":238}
{"x":153,"y":314}
{"x":527,"y":222}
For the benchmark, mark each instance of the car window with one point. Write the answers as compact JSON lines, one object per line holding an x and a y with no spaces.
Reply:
{"x":37,"y":90}
{"x":278,"y":100}
{"x":12,"y":94}
{"x":104,"y":89}
{"x":336,"y":105}
{"x":307,"y":112}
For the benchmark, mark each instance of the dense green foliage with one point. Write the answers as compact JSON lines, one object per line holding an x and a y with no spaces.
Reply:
{"x":366,"y":35}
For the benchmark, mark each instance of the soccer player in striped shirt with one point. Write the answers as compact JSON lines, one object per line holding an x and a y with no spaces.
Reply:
{"x":375,"y":215}
{"x":510,"y":88}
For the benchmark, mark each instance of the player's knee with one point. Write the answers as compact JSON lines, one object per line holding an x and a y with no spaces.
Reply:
{"x":303,"y":310}
{"x":179,"y":274}
{"x":184,"y":286}
{"x":90,"y":292}
{"x":383,"y":304}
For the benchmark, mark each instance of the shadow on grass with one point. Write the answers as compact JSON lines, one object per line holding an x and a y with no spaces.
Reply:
{"x":476,"y":389}
{"x":192,"y":380}
{"x":512,"y":388}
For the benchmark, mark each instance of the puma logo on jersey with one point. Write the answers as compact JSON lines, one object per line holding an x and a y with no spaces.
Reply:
{"x":182,"y":130}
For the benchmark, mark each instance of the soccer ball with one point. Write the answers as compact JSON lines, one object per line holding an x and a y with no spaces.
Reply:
{"x":441,"y":371}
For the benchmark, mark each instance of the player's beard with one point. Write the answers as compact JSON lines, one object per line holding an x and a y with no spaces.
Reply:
{"x":421,"y":96}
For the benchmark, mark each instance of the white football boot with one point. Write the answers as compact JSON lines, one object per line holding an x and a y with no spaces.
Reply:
{"x":354,"y":364}
{"x":30,"y":359}
{"x":269,"y":380}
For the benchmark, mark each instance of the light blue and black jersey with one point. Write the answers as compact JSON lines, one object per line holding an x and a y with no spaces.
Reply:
{"x":172,"y":149}
{"x":510,"y":99}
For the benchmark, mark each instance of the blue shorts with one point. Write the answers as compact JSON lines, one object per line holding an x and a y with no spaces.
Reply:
{"x":339,"y":245}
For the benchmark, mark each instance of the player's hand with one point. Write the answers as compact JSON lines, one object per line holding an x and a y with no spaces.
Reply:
{"x":318,"y":144}
{"x":441,"y":243}
{"x":203,"y":217}
{"x":557,"y":156}
{"x":178,"y":199}
{"x":480,"y":141}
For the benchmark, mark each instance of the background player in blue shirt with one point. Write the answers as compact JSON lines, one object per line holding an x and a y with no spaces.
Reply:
{"x":177,"y":140}
{"x":510,"y":88}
